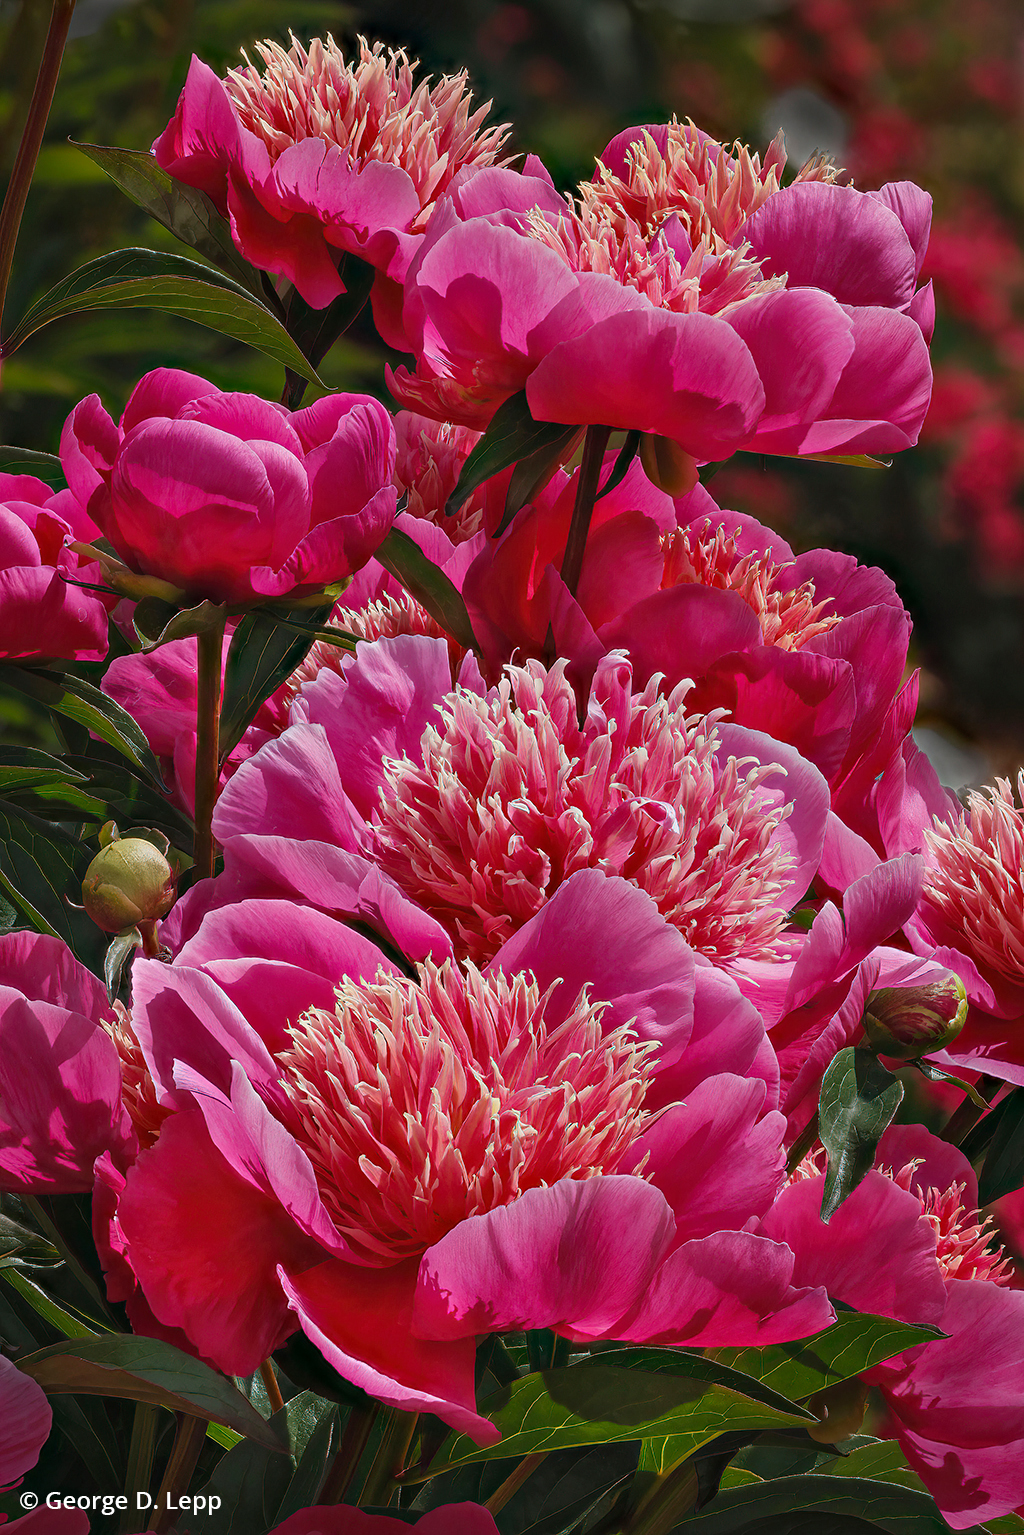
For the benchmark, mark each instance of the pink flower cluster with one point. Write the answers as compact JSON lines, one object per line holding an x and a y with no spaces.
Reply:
{"x":510,"y":1005}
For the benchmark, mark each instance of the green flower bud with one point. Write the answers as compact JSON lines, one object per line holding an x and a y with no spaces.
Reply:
{"x":907,"y":1021}
{"x":128,"y":882}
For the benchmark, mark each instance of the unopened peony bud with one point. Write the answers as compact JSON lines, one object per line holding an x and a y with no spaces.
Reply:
{"x":128,"y":882}
{"x":841,"y":1410}
{"x":907,"y":1021}
{"x":667,"y":465}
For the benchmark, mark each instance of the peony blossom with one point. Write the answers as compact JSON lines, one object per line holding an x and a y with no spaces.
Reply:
{"x":44,"y":612}
{"x":317,"y":156}
{"x":908,"y":1243}
{"x":734,"y":320}
{"x":229,"y":497}
{"x":480,"y":804}
{"x":60,"y":1079}
{"x":25,"y":1421}
{"x":290,"y":1083}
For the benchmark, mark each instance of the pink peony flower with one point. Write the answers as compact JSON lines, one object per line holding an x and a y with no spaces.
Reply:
{"x":318,"y":156}
{"x":908,"y":1242}
{"x":44,"y":613}
{"x":60,"y":1079}
{"x":400,"y":1161}
{"x":704,"y":296}
{"x":229,"y":497}
{"x":25,"y":1421}
{"x":479,"y":805}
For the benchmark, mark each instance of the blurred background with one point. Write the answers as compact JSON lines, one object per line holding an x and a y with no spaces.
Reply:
{"x":931,"y":90}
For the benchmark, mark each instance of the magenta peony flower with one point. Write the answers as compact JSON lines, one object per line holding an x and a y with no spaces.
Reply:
{"x":398,"y":1162}
{"x":60,"y":1079}
{"x":705,"y":298}
{"x":450,"y":1519}
{"x":908,"y":1242}
{"x":25,"y":1421}
{"x":479,"y":805}
{"x":229,"y":497}
{"x":43,"y":612}
{"x":317,"y":156}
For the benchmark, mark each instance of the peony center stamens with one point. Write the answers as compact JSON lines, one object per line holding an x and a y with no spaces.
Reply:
{"x":374,"y":109}
{"x":963,"y":1239}
{"x":513,"y":797}
{"x":788,"y":617}
{"x":138,"y":1090}
{"x":420,"y":1105}
{"x":974,"y":879}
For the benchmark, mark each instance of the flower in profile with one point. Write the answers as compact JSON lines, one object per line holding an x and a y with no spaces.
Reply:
{"x":229,"y":497}
{"x":317,"y":155}
{"x":480,"y":805}
{"x":44,"y":610}
{"x":909,"y":1243}
{"x":703,"y":279}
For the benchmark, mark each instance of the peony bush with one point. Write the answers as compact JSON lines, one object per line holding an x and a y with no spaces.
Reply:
{"x":501,"y":1028}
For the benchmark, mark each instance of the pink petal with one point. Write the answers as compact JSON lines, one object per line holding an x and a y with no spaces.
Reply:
{"x":291,"y":787}
{"x":728,"y":1035}
{"x":26,"y":1417}
{"x":800,"y":340}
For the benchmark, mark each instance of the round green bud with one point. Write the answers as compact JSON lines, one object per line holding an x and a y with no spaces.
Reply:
{"x":128,"y":882}
{"x":908,"y":1021}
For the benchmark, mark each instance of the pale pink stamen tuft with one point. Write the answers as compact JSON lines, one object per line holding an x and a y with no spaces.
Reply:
{"x":420,"y":1105}
{"x":788,"y":617}
{"x":513,"y":797}
{"x":974,"y":879}
{"x":429,"y":456}
{"x":963,"y":1240}
{"x":383,"y":619}
{"x":374,"y":109}
{"x":138,"y":1090}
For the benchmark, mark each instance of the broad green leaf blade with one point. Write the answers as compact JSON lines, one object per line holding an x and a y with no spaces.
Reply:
{"x":880,"y":1505}
{"x":149,"y":1370}
{"x":675,"y":1361}
{"x":265,"y":649}
{"x":590,"y":1404}
{"x":20,"y":1244}
{"x":25,"y":767}
{"x":141,"y":279}
{"x":629,"y":450}
{"x":403,"y":557}
{"x":39,"y":866}
{"x":87,"y":1427}
{"x":45,"y":466}
{"x":882,"y":1461}
{"x":859,"y":1098}
{"x":85,"y":704}
{"x":49,"y":1309}
{"x":854,"y":1343}
{"x":130,"y":801}
{"x":188,"y":213}
{"x":46,"y":786}
{"x":1003,"y":1168}
{"x":512,"y":435}
{"x":313,"y":1457}
{"x":119,"y":955}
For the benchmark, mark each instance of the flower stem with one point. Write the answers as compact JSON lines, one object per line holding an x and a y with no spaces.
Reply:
{"x":181,"y":1466}
{"x":32,"y":138}
{"x":380,"y":1481}
{"x":594,"y":445}
{"x":356,"y":1436}
{"x":140,"y":1460}
{"x":511,"y":1485}
{"x":211,"y":644}
{"x":271,"y":1387}
{"x":966,"y":1116}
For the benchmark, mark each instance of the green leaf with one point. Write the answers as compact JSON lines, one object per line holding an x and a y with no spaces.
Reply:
{"x":19,"y":1245}
{"x":854,"y":1343}
{"x":39,"y":863}
{"x":128,"y":800}
{"x":597,"y":1404}
{"x":35,"y":781}
{"x":254,"y":1484}
{"x":87,"y":1427}
{"x":85,"y":704}
{"x":157,"y":622}
{"x":512,"y":435}
{"x":936,"y":1074}
{"x":880,"y":1505}
{"x":119,"y":954}
{"x":45,"y":466}
{"x":46,"y":1306}
{"x":859,"y":1098}
{"x":1006,"y":1524}
{"x":532,"y":473}
{"x":1003,"y":1168}
{"x":265,"y":649}
{"x":882,"y":1461}
{"x":629,"y":450}
{"x":188,"y":213}
{"x":403,"y":557}
{"x":315,"y":1434}
{"x":148,"y":1370}
{"x":676,"y":1361}
{"x":144,"y":279}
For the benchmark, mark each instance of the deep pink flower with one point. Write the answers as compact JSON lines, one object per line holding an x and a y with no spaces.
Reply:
{"x":43,"y":612}
{"x":294,"y":1082}
{"x":704,"y":289}
{"x":60,"y":1079}
{"x":229,"y":497}
{"x":25,"y":1420}
{"x":450,"y":1519}
{"x":480,"y":804}
{"x":317,"y":156}
{"x":908,"y":1242}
